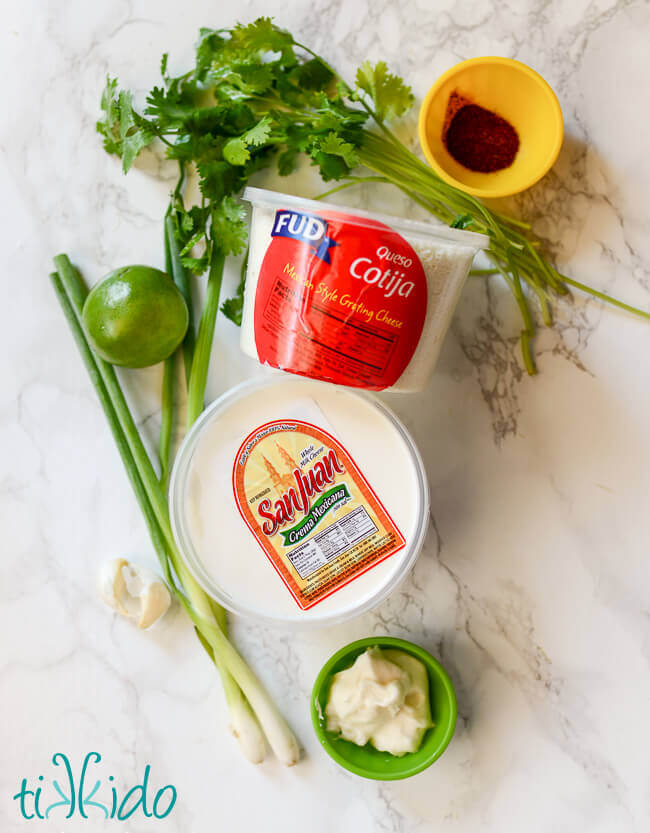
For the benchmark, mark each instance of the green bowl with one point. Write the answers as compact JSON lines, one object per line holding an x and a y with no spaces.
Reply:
{"x":366,"y":761}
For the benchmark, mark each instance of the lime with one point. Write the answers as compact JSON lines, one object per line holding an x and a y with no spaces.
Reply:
{"x":135,"y":316}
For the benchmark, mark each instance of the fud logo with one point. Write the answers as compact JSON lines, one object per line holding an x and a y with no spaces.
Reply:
{"x":86,"y":796}
{"x":308,"y":228}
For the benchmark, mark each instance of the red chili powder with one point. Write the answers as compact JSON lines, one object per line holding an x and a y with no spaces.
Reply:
{"x":478,"y":138}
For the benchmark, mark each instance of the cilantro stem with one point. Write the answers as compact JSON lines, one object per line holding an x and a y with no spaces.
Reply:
{"x":182,"y":280}
{"x":513,"y":254}
{"x":512,"y":221}
{"x":167,"y":398}
{"x":604,"y":297}
{"x":353,"y":180}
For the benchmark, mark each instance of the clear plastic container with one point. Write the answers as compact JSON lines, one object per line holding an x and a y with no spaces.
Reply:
{"x":348,"y":296}
{"x":380,"y":519}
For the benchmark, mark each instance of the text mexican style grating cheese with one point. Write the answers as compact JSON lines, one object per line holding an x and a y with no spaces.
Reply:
{"x":350,"y":298}
{"x":298,"y":502}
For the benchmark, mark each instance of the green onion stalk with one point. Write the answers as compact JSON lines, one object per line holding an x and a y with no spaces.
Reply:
{"x":247,"y":699}
{"x":199,"y":372}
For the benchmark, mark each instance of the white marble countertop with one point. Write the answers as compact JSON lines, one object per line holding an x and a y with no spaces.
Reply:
{"x":533,"y":586}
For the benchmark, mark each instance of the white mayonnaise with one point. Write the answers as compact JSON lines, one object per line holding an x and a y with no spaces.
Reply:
{"x":227,"y":555}
{"x":382,"y":699}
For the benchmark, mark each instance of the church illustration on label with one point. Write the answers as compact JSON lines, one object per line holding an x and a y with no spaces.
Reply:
{"x":281,"y":482}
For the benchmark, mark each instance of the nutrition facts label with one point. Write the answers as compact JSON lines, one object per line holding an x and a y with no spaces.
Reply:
{"x":363,"y":340}
{"x":355,"y":351}
{"x":333,"y":542}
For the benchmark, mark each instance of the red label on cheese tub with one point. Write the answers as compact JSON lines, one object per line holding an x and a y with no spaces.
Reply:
{"x":339,"y":298}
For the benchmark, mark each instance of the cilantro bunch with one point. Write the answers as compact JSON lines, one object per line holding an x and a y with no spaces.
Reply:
{"x":256,"y":97}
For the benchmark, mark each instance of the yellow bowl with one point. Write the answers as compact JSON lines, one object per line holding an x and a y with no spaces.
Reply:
{"x":516,"y":93}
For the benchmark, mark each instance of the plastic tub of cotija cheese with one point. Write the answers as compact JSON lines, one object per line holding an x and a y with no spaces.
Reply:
{"x":350,"y":297}
{"x":297,"y":502}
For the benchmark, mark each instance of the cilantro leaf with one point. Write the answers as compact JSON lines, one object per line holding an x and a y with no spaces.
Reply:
{"x":390,"y":95}
{"x":233,"y":307}
{"x":252,"y":77}
{"x":189,"y":231}
{"x":336,"y":146}
{"x":229,"y":226}
{"x":108,"y":127}
{"x":239,"y":81}
{"x":236,"y":150}
{"x":329,"y":166}
{"x":334,"y":156}
{"x":125,"y":132}
{"x":135,"y":133}
{"x":218,"y":178}
{"x":196,"y":265}
{"x":210,"y":44}
{"x":258,"y":134}
{"x":312,"y":75}
{"x":259,"y":37}
{"x":462,"y":221}
{"x":287,"y":161}
{"x":172,"y":107}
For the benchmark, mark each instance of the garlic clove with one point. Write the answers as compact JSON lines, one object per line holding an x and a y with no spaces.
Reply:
{"x":155,"y":601}
{"x":134,"y":591}
{"x":112,"y":586}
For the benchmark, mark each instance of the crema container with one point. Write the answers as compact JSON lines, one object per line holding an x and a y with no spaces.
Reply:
{"x":298,"y":503}
{"x":350,"y":297}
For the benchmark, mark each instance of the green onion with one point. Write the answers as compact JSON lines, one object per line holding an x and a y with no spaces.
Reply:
{"x":199,"y":374}
{"x":166,"y":418}
{"x":167,"y":398}
{"x":175,"y":268}
{"x":243,"y":689}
